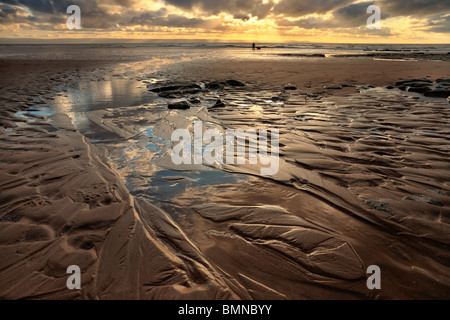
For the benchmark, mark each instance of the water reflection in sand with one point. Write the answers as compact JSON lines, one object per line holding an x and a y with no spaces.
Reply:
{"x":134,"y":126}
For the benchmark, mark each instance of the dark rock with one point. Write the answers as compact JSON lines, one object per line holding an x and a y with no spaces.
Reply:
{"x":390,"y":87}
{"x":176,"y":87}
{"x":333,"y":87}
{"x":347,"y":85}
{"x":214,"y":86}
{"x":313,"y":55}
{"x":440,"y":80}
{"x":180,"y":105}
{"x":380,"y":205}
{"x":438,"y":93}
{"x":177,"y":94}
{"x":170,"y":95}
{"x":417,"y":84}
{"x":401,"y":82}
{"x":419,"y":89}
{"x":426,"y":199}
{"x":195,"y":100}
{"x":364,"y":87}
{"x":175,"y":90}
{"x":277,"y":99}
{"x":219,"y":104}
{"x":235,"y":83}
{"x":290,"y":87}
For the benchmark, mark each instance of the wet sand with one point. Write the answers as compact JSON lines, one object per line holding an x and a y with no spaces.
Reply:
{"x":364,"y":179}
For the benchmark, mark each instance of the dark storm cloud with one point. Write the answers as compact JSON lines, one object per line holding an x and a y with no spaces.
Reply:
{"x":440,"y":23}
{"x":94,"y":16}
{"x":161,"y":19}
{"x":242,"y":8}
{"x":7,"y":11}
{"x":353,"y":15}
{"x":307,"y":23}
{"x":51,"y":11}
{"x":46,"y":6}
{"x":14,"y":14}
{"x":34,"y":5}
{"x":240,"y":16}
{"x":296,"y":8}
{"x":354,"y":10}
{"x":414,"y":7}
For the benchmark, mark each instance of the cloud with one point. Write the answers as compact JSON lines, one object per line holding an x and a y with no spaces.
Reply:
{"x":241,"y":8}
{"x":307,"y":23}
{"x":353,"y":15}
{"x":350,"y":16}
{"x":161,"y":18}
{"x":439,"y":23}
{"x":296,"y":8}
{"x":414,"y":7}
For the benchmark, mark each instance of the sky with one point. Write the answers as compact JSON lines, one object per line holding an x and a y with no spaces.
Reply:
{"x":331,"y":21}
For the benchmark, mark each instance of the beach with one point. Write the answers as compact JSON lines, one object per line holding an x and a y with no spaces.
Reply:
{"x":86,"y":176}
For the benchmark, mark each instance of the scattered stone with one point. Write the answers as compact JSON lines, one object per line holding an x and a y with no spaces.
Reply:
{"x":195,"y":100}
{"x":426,"y":199}
{"x":180,"y":105}
{"x":336,"y":87}
{"x":170,"y":95}
{"x":440,"y":80}
{"x":175,"y":90}
{"x":219,"y":104}
{"x":380,"y":205}
{"x":438,"y":93}
{"x":419,"y":89}
{"x":235,"y":83}
{"x":290,"y":87}
{"x":214,"y":86}
{"x":278,"y":99}
{"x":312,"y":55}
{"x":402,"y":82}
{"x":436,"y":191}
{"x":175,"y":87}
{"x":364,"y":87}
{"x":418,"y":84}
{"x":426,"y":87}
